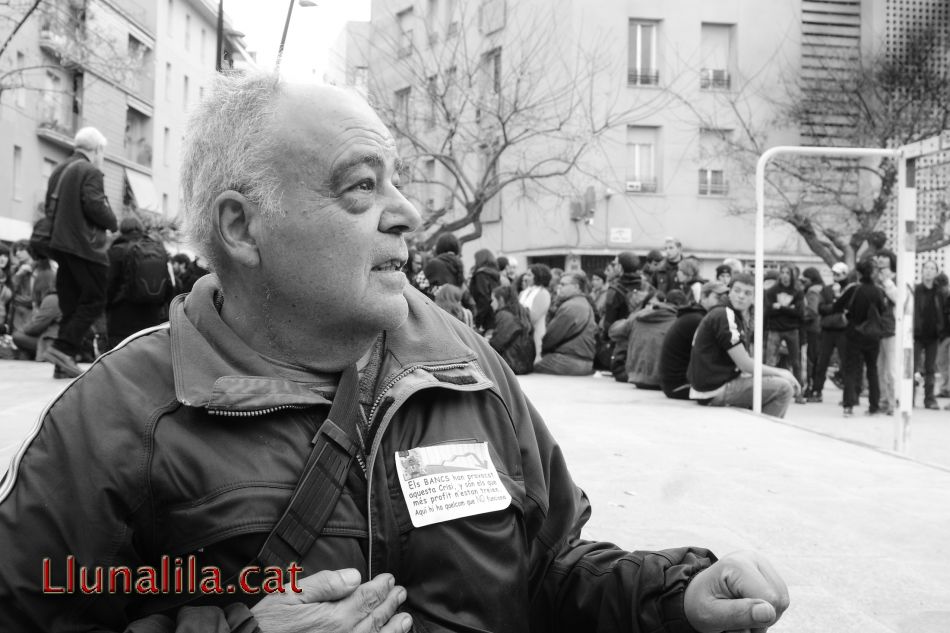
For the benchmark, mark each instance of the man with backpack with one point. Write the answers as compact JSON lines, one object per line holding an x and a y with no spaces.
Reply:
{"x":140,"y":284}
{"x":80,"y":212}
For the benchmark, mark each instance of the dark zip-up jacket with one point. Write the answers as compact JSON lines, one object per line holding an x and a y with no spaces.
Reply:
{"x":184,"y":441}
{"x":784,"y":318}
{"x":83,"y":214}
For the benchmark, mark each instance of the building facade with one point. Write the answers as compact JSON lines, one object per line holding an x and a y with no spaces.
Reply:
{"x":101,"y":63}
{"x":698,"y":79}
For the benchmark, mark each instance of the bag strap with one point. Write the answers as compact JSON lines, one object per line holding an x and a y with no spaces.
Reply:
{"x":59,"y":186}
{"x":322,"y":481}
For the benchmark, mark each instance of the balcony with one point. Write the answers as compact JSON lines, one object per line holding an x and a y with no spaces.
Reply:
{"x":641,"y":185}
{"x":714,"y":79}
{"x":714,"y":189}
{"x":643,"y":77}
{"x":55,"y":40}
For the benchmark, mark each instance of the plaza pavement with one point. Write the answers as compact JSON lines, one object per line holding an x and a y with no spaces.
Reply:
{"x":855,"y":529}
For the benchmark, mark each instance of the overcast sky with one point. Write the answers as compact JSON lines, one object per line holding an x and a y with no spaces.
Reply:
{"x":313,"y":31}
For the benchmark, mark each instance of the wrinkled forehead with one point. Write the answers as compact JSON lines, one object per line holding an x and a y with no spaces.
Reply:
{"x":323,"y":125}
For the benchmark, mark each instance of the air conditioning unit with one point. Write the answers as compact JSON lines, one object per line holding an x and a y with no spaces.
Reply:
{"x":634,"y":186}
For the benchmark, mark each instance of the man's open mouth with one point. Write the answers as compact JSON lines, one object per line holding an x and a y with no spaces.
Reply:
{"x":390,"y":266}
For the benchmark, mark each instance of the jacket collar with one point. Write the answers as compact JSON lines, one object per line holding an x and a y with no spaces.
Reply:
{"x":215,"y":369}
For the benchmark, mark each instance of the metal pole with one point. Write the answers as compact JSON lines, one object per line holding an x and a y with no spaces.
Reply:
{"x":845,"y":152}
{"x":217,"y":61}
{"x":283,"y":37}
{"x":906,"y":268}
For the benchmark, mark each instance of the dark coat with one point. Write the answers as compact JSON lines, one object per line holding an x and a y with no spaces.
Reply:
{"x":512,"y":338}
{"x":572,"y":329}
{"x":787,"y":317}
{"x":446,"y":268}
{"x":484,"y":280}
{"x":923,"y":330}
{"x":615,"y":305}
{"x":647,"y":333}
{"x":123,"y":317}
{"x":674,"y":355}
{"x":83,"y":214}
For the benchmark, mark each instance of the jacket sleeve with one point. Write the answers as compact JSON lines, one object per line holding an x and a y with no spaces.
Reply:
{"x":70,"y":498}
{"x":95,"y":205}
{"x":560,"y":328}
{"x":580,"y":585}
{"x":812,"y":300}
{"x":117,"y":255}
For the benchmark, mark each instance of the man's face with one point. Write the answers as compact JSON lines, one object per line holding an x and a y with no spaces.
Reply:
{"x":335,"y":258}
{"x":21,"y":256}
{"x":567,"y":287}
{"x":741,"y":296}
{"x":671,"y":250}
{"x":711,"y":300}
{"x":596,"y":282}
{"x":613,"y":270}
{"x":725,"y":277}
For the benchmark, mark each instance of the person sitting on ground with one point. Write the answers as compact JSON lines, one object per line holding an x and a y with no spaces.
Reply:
{"x":537,"y":299}
{"x":689,"y":279}
{"x":567,"y":348}
{"x":6,"y":289}
{"x":512,"y":337}
{"x":21,"y":282}
{"x":598,"y":292}
{"x":647,"y":332}
{"x":640,"y":298}
{"x":720,"y":368}
{"x":449,"y":298}
{"x":485,"y":278}
{"x":623,"y":276}
{"x":43,"y":327}
{"x":303,"y":386}
{"x":139,"y":286}
{"x":678,"y":342}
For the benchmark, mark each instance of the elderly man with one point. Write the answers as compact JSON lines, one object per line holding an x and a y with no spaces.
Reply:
{"x":306,"y":419}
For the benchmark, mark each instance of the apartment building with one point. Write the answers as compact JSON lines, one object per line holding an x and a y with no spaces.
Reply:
{"x":127,"y":67}
{"x":692,"y":74}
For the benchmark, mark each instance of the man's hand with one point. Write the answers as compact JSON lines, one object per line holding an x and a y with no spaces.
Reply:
{"x":740,"y":592}
{"x":335,"y":602}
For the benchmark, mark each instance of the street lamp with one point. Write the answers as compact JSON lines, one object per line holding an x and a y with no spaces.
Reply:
{"x":283,"y":37}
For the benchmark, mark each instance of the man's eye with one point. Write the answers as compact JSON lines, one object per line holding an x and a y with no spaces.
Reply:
{"x":365,"y":185}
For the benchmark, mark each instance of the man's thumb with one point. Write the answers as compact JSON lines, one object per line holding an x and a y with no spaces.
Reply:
{"x":743,"y":613}
{"x":328,"y":585}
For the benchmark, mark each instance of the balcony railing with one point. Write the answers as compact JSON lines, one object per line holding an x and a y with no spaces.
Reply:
{"x":714,"y":79}
{"x":713,"y":189}
{"x":642,"y":77}
{"x":644,"y":185}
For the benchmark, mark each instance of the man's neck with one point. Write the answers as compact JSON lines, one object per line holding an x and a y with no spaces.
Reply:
{"x":928,"y":284}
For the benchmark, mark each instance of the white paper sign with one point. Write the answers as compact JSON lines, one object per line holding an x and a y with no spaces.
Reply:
{"x":449,"y":481}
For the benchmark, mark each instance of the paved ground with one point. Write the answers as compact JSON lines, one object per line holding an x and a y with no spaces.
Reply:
{"x":855,"y":530}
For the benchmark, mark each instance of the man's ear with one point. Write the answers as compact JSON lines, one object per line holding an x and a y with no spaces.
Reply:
{"x":237,"y":223}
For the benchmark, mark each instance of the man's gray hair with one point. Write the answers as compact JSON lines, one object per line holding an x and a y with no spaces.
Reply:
{"x":229,"y":146}
{"x":89,"y":139}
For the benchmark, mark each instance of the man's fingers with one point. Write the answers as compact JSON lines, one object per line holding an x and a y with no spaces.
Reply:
{"x":325,"y":586}
{"x":368,"y":597}
{"x":740,"y":614}
{"x":383,"y":618}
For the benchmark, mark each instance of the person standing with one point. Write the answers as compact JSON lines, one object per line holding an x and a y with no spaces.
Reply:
{"x":862,"y":349}
{"x":784,"y":310}
{"x":78,"y":245}
{"x":885,"y":263}
{"x":664,"y":278}
{"x":485,"y":278}
{"x":929,"y":324}
{"x":832,"y":330}
{"x":813,"y":285}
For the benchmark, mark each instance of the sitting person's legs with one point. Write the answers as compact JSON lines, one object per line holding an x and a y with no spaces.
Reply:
{"x":777,"y":394}
{"x":564,"y":365}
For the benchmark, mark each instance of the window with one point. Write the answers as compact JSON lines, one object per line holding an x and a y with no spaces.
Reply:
{"x":716,"y":52}
{"x":402,"y":108}
{"x":492,"y":65}
{"x":712,"y":180}
{"x":168,"y":81}
{"x":403,"y":21}
{"x":184,"y":92}
{"x":20,"y":98}
{"x":138,"y":132}
{"x":17,"y":172}
{"x":166,"y":141}
{"x":641,"y":63}
{"x":187,"y":32}
{"x":641,"y":159}
{"x":54,"y":108}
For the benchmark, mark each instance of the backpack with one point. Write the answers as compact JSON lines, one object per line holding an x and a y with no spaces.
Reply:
{"x":521,"y":353}
{"x":146,"y":273}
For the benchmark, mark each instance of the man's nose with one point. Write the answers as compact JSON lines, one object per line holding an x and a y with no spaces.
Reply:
{"x":400,"y":216}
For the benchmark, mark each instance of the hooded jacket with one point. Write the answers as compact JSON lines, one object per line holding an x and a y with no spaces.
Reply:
{"x":615,"y":305}
{"x":446,"y":268}
{"x":202,"y":443}
{"x":646,"y":341}
{"x":485,"y":278}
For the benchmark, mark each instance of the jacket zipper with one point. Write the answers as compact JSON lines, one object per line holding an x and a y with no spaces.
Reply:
{"x":371,"y":458}
{"x":248,"y":414}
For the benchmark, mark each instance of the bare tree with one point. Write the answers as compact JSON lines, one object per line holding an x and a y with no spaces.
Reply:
{"x":880,"y":100}
{"x":515,"y":105}
{"x":79,"y":39}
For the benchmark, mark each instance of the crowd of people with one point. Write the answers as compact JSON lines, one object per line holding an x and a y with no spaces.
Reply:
{"x":639,"y":321}
{"x":80,"y":292}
